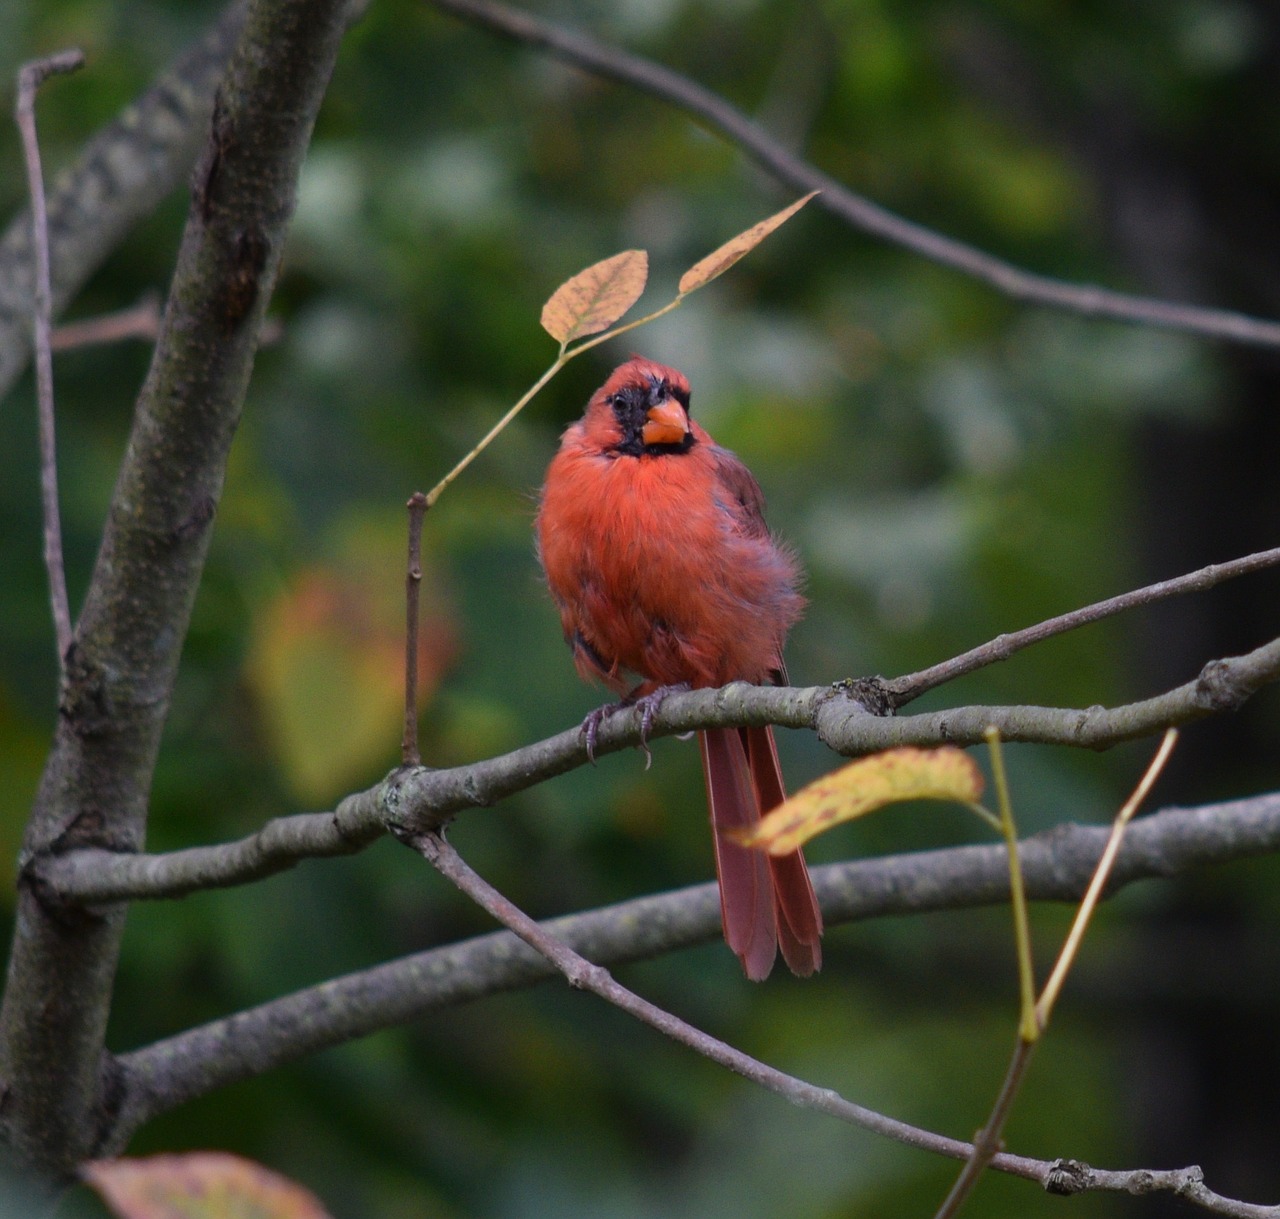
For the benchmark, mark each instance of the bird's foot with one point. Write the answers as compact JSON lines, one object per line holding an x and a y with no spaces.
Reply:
{"x":648,"y":706}
{"x":591,"y":725}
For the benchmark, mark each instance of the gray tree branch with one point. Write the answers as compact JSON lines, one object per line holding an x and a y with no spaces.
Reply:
{"x":418,"y":799}
{"x":124,"y":657}
{"x":1055,"y":1176}
{"x":30,"y":77}
{"x":1057,"y":866}
{"x":119,"y":178}
{"x":903,"y":690}
{"x":715,"y":113}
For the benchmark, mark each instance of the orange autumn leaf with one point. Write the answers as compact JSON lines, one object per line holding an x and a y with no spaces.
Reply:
{"x":198,"y":1185}
{"x":327,"y":669}
{"x":720,"y":260}
{"x":594,"y":299}
{"x":325,"y":663}
{"x":862,"y":787}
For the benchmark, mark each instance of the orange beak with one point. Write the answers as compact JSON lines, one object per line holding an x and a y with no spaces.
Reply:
{"x":667,"y":423}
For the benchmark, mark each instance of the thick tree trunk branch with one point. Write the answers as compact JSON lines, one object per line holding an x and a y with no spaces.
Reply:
{"x":122,"y":664}
{"x":119,"y":178}
{"x":1057,"y":866}
{"x":854,"y":209}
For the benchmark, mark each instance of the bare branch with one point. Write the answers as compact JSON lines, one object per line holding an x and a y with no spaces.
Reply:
{"x":94,"y":876}
{"x":119,"y":178}
{"x":30,"y":77}
{"x":139,"y":321}
{"x":582,"y":974}
{"x":1057,"y":866}
{"x":410,"y":754}
{"x":713,"y":111}
{"x":1069,"y":1177}
{"x":419,"y":799}
{"x":1222,"y":685}
{"x":902,"y":690}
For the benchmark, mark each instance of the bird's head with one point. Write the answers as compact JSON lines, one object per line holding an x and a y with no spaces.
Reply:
{"x":644,"y":409}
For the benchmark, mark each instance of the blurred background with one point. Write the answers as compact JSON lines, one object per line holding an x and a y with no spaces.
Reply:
{"x":949,"y":464}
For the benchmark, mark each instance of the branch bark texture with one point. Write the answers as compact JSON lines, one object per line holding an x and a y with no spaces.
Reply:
{"x":122,"y":663}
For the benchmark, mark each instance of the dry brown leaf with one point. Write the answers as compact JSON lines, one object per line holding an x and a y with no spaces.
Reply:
{"x":718,"y":262}
{"x":596,"y":298}
{"x":198,"y":1185}
{"x":862,"y":787}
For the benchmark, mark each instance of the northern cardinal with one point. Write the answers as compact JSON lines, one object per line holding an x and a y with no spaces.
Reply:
{"x":653,"y":541}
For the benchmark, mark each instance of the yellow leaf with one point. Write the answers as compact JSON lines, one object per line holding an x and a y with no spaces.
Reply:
{"x":199,"y":1185}
{"x":326,"y":661}
{"x":862,"y":787}
{"x":596,"y":298}
{"x":717,"y":263}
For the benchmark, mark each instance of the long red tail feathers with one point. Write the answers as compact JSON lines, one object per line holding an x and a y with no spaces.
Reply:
{"x":746,"y":887}
{"x":765,"y":901}
{"x":799,"y":919}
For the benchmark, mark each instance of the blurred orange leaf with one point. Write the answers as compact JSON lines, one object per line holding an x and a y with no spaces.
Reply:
{"x":326,"y":664}
{"x":199,"y":1185}
{"x":596,"y":298}
{"x":719,"y":261}
{"x":862,"y":787}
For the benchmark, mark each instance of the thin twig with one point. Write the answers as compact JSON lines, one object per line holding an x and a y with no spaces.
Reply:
{"x":118,"y":177}
{"x":1017,"y":893}
{"x":494,"y":432}
{"x":987,"y":1142}
{"x":1049,"y":996}
{"x":1056,"y":1176}
{"x":649,"y":77}
{"x":902,"y":690}
{"x":139,"y":321}
{"x":30,"y":77}
{"x":410,"y":754}
{"x":583,"y":975}
{"x":1034,"y":1018}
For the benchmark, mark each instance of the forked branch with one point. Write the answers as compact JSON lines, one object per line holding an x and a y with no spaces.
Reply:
{"x":418,"y":799}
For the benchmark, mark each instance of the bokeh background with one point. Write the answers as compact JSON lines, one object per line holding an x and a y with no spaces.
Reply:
{"x":949,"y":464}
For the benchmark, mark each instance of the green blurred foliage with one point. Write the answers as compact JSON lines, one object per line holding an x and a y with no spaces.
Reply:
{"x":950,"y":466}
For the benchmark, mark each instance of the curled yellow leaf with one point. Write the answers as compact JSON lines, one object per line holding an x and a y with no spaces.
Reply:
{"x":719,"y":261}
{"x":594,"y":299}
{"x":863,"y":786}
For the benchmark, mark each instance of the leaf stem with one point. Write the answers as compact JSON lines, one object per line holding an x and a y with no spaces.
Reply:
{"x":494,"y":432}
{"x":565,"y":354}
{"x":1072,"y":945}
{"x":1028,"y":1025}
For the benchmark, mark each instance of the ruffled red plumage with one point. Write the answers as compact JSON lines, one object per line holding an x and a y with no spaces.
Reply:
{"x":661,"y":565}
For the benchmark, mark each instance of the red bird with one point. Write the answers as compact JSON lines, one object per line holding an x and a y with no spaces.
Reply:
{"x":653,"y":541}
